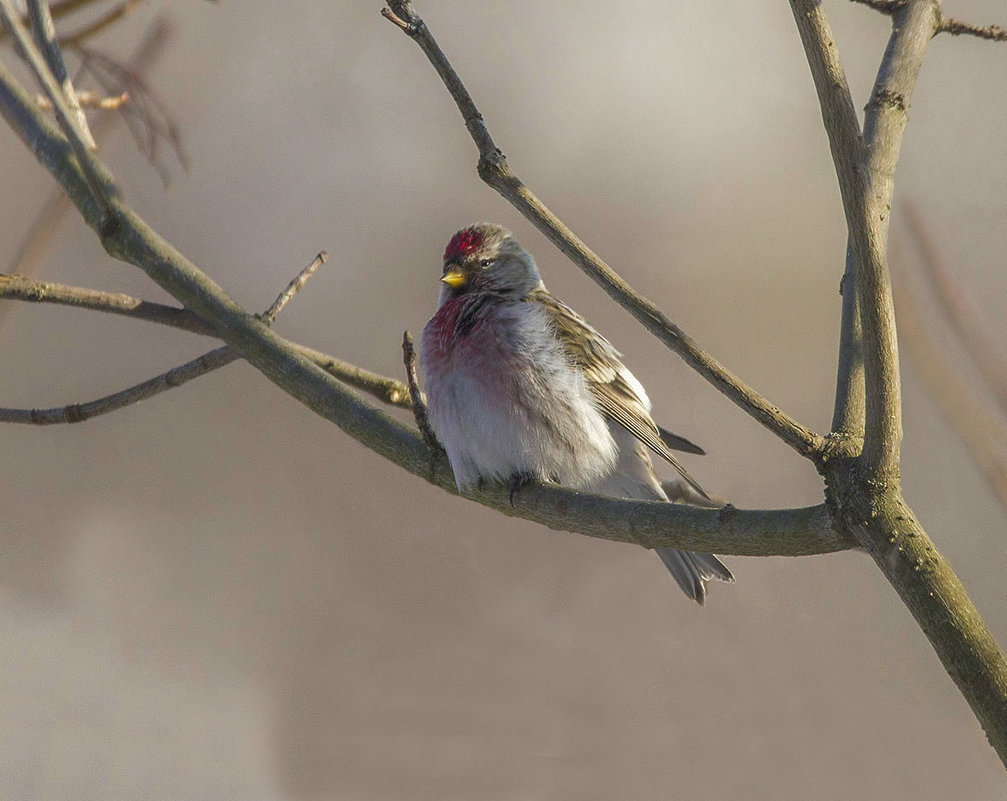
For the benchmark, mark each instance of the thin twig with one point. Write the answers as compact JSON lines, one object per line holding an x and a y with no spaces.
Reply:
{"x":201,"y":365}
{"x":79,"y":412}
{"x":35,"y":244}
{"x":419,"y":402}
{"x":15,"y":287}
{"x":89,"y":99}
{"x":19,"y":287}
{"x":64,"y":115}
{"x":847,"y":146}
{"x":44,"y":30}
{"x":964,"y":318}
{"x":295,"y":286}
{"x":955,"y":27}
{"x":495,"y":171}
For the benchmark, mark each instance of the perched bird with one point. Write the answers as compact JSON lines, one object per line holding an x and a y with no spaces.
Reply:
{"x":520,"y":387}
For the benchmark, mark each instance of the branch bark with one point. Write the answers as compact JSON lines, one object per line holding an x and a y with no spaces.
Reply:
{"x":863,"y":490}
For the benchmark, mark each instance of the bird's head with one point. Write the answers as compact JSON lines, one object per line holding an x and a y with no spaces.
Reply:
{"x":487,"y":258}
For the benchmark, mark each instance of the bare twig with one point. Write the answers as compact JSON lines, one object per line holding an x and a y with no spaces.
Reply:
{"x":44,"y":31}
{"x":847,"y":146}
{"x":966,"y":321}
{"x":995,"y":33}
{"x":19,"y":287}
{"x":495,"y":171}
{"x":419,"y":402}
{"x":35,"y":245}
{"x":79,"y":412}
{"x":15,"y":287}
{"x":213,"y":360}
{"x":885,"y":119}
{"x":295,"y":286}
{"x":89,"y":99}
{"x":64,"y":115}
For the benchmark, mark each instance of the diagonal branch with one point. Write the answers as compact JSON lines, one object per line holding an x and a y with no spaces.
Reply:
{"x":44,"y":31}
{"x":885,"y":119}
{"x":495,"y":171}
{"x":847,"y":145}
{"x":99,"y":188}
{"x":865,"y":168}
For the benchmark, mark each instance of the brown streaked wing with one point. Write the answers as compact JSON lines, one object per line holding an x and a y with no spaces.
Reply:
{"x":600,"y":364}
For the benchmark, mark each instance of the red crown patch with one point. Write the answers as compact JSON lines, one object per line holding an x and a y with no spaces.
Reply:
{"x":464,"y":243}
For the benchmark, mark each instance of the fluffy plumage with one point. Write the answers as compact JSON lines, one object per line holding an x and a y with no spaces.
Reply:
{"x":520,"y":385}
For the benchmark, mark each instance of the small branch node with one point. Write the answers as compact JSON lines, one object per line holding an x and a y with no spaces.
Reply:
{"x":408,"y":28}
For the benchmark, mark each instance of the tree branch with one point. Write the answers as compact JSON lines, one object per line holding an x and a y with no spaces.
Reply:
{"x":44,"y":31}
{"x":955,"y":27}
{"x":215,"y":359}
{"x":495,"y":171}
{"x":864,"y":491}
{"x":885,"y":118}
{"x":99,"y":188}
{"x":14,"y":287}
{"x":847,"y":146}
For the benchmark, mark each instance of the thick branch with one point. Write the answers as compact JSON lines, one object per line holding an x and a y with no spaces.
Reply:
{"x":885,"y":118}
{"x":864,"y":491}
{"x":866,"y":169}
{"x":495,"y":171}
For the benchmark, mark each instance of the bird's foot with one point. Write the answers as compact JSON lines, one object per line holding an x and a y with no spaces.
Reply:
{"x":518,"y":482}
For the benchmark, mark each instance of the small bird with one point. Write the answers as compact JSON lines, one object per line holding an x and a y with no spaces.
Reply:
{"x":521,"y":388}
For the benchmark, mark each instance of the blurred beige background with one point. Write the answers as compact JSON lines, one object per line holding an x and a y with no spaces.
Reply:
{"x":217,"y":595}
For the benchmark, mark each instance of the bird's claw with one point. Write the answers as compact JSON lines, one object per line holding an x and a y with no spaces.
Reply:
{"x":517,"y":482}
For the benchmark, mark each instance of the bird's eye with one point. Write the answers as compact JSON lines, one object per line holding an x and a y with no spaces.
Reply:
{"x":485,"y":262}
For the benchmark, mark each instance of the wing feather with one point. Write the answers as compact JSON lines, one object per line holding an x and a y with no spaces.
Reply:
{"x":610,"y":382}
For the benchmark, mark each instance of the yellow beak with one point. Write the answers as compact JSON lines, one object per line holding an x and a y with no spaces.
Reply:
{"x":455,"y":278}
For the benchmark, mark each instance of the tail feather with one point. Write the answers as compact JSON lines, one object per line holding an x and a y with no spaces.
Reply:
{"x":692,"y":570}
